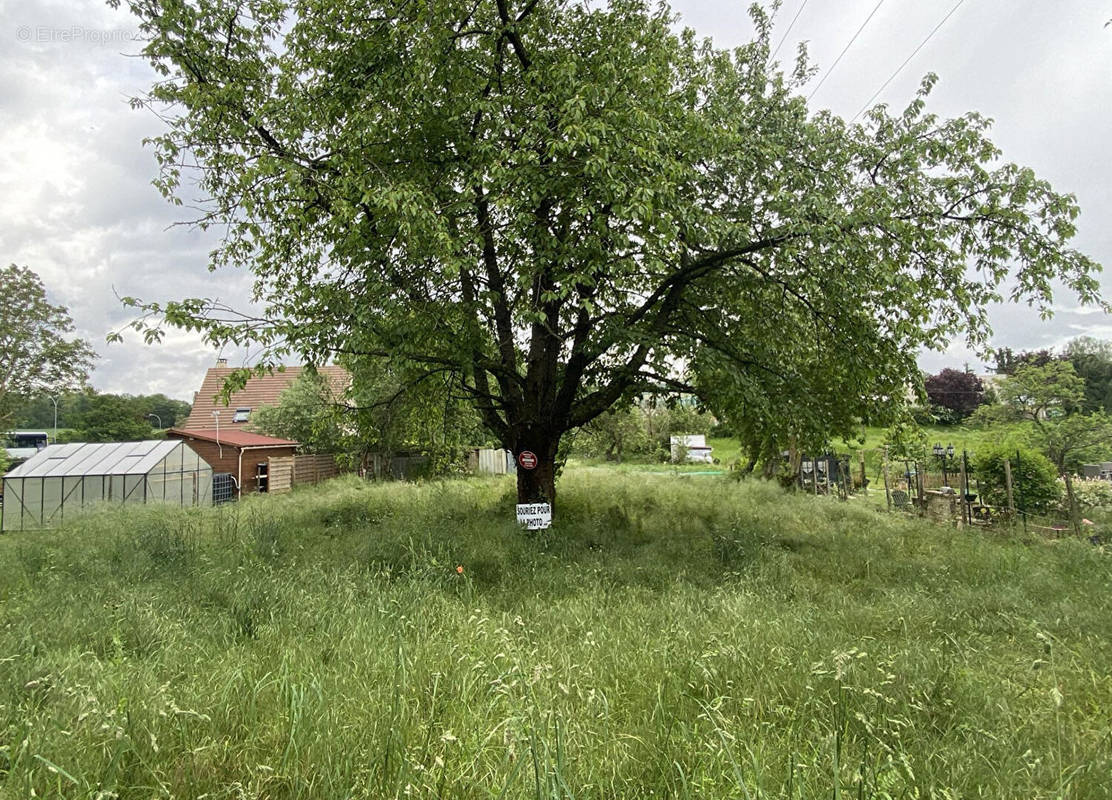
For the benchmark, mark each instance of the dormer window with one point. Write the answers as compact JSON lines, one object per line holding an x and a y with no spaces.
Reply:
{"x":242,"y":415}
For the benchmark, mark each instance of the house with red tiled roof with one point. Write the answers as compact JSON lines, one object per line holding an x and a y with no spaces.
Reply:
{"x":210,"y":410}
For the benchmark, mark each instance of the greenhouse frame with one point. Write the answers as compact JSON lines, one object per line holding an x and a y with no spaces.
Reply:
{"x":64,"y":478}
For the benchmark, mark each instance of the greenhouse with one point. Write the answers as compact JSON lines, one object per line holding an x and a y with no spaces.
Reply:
{"x":65,"y":478}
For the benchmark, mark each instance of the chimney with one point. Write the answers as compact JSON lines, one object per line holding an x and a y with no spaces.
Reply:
{"x":221,"y":362}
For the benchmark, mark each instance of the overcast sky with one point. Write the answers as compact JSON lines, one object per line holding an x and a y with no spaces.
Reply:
{"x":77,"y":205}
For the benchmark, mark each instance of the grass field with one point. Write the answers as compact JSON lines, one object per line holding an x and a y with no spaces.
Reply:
{"x":963,"y":438}
{"x":724,"y":451}
{"x":669,"y":638}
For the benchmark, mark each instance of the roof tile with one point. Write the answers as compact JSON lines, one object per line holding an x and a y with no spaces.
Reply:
{"x":260,"y":391}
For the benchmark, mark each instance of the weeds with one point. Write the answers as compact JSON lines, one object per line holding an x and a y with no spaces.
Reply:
{"x":667,"y":638}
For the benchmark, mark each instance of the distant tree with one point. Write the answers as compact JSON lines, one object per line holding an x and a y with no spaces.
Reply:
{"x":959,"y":392}
{"x":1075,"y":439}
{"x":39,"y":412}
{"x":617,"y":433}
{"x":168,"y":410}
{"x":1008,"y":361}
{"x":685,"y":416}
{"x":36,"y":355}
{"x":1070,"y":441}
{"x":1092,"y":360}
{"x":71,"y":407}
{"x":993,"y":414}
{"x":1039,"y":392}
{"x":1052,"y":397}
{"x":309,"y":413}
{"x":399,"y":407}
{"x":111,"y":418}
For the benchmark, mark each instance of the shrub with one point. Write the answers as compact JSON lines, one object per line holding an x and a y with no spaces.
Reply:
{"x":1095,"y":493}
{"x":944,"y":416}
{"x":988,"y":415}
{"x":923,"y":415}
{"x":1034,"y":479}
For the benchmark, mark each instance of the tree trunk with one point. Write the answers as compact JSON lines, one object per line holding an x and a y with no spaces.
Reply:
{"x":537,"y":485}
{"x":1075,"y":517}
{"x":768,"y":470}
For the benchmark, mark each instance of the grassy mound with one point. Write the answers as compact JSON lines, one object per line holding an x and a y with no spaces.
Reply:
{"x":672,"y":637}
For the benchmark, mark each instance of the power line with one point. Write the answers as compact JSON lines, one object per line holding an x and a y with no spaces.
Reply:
{"x":789,"y":30}
{"x":907,"y":60}
{"x":844,"y":49}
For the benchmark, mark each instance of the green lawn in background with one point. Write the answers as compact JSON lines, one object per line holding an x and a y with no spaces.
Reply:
{"x":725,"y":452}
{"x":960,"y":436}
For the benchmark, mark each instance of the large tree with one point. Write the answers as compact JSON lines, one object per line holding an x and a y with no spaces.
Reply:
{"x":309,"y":413}
{"x":1052,"y":396}
{"x":1050,"y":391}
{"x":959,"y":392}
{"x":1008,"y":361}
{"x":37,"y":356}
{"x":559,"y":201}
{"x":1092,"y":360}
{"x":157,"y":408}
{"x":110,"y":418}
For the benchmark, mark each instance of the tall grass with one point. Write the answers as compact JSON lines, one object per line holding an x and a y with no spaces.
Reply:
{"x":670,"y":637}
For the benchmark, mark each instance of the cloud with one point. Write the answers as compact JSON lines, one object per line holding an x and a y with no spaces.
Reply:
{"x":76,"y":193}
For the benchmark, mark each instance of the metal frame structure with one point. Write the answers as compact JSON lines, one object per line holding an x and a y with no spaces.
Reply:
{"x":63,"y":478}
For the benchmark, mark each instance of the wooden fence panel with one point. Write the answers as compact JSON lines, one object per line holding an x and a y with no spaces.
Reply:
{"x":494,"y":462}
{"x":280,"y":474}
{"x":290,"y":471}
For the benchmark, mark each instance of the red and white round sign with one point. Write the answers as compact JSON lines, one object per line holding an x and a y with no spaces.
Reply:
{"x":527,"y":459}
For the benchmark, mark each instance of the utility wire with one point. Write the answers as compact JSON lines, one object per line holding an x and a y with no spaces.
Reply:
{"x":907,"y":61}
{"x":849,"y":44}
{"x":789,"y":30}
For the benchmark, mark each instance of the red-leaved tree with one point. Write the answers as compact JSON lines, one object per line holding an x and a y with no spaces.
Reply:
{"x":957,"y":391}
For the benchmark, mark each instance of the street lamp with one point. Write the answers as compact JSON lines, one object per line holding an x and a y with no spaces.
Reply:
{"x":157,"y":418}
{"x":942,"y":454}
{"x":54,"y":400}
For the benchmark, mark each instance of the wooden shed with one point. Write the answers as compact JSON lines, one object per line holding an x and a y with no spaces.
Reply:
{"x":242,"y":454}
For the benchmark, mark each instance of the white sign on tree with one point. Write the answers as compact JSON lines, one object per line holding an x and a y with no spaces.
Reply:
{"x":534,"y":516}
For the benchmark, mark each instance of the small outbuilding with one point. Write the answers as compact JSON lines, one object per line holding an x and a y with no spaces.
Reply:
{"x":242,"y":454}
{"x":691,"y":448}
{"x":64,"y":478}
